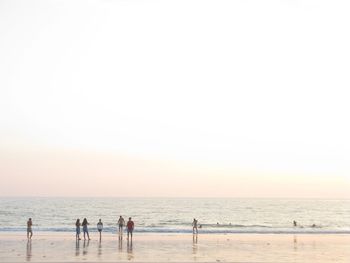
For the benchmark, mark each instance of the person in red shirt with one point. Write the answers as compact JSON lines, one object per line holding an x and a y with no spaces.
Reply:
{"x":130,"y":227}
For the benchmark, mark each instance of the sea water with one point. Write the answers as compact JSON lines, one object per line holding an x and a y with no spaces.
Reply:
{"x":175,"y":215}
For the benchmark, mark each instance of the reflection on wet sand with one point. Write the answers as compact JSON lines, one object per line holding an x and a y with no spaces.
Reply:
{"x":120,"y":243}
{"x":77,"y":248}
{"x":129,"y":250}
{"x":195,"y":246}
{"x":99,"y":251}
{"x":29,"y":250}
{"x":295,"y":242}
{"x":85,"y":247}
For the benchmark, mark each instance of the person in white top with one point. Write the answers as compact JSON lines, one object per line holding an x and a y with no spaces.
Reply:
{"x":194,"y":225}
{"x":100,"y":227}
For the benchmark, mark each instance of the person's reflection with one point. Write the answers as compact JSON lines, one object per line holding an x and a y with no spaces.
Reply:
{"x":77,"y":247}
{"x":194,"y":246}
{"x":99,"y":248}
{"x":295,"y":242}
{"x":120,"y":243}
{"x":129,"y":250}
{"x":29,"y":250}
{"x":85,"y":246}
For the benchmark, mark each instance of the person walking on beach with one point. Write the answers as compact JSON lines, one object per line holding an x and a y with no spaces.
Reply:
{"x":194,"y":225}
{"x":29,"y":228}
{"x":130,"y":227}
{"x":121,"y":223}
{"x":77,"y":229}
{"x":85,"y":228}
{"x":100,"y":227}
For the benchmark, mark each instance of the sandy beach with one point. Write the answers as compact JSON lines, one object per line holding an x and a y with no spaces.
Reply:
{"x":62,"y":247}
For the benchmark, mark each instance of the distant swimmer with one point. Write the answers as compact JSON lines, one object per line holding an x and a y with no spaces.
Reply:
{"x":77,"y":229}
{"x":313,"y":225}
{"x":130,"y":227}
{"x":100,"y":227}
{"x":121,"y":223}
{"x":295,"y":223}
{"x":29,"y":228}
{"x":85,"y":228}
{"x":194,"y":225}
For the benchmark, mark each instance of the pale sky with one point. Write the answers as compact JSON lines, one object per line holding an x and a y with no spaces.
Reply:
{"x":175,"y":98}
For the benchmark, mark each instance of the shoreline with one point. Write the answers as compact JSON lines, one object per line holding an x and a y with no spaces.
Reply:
{"x":158,"y":234}
{"x":160,"y":247}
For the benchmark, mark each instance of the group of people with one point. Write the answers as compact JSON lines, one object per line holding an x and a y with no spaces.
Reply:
{"x":85,"y":223}
{"x":295,"y":224}
{"x":121,"y":224}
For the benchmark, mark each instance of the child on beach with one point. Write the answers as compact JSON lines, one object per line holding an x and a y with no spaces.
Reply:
{"x":29,"y":228}
{"x":100,"y":227}
{"x":130,"y":227}
{"x":77,"y":229}
{"x":85,"y":228}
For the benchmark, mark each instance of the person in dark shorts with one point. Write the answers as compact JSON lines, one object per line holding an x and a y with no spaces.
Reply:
{"x":130,"y":227}
{"x":77,"y":229}
{"x":85,"y":228}
{"x":100,"y":227}
{"x":29,"y":228}
{"x":121,"y":223}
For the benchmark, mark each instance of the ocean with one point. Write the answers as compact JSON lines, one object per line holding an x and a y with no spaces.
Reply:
{"x":175,"y":215}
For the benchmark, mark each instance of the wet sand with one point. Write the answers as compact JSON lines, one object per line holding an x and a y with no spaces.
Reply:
{"x":62,"y":247}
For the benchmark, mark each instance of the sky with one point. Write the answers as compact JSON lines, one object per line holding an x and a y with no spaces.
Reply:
{"x":175,"y":98}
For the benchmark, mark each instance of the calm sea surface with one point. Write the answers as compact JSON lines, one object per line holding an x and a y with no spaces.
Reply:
{"x":156,"y":215}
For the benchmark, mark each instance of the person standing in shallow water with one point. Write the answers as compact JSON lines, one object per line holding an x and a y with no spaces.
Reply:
{"x":194,"y":225}
{"x":121,"y":223}
{"x":85,"y":228}
{"x":100,"y":227}
{"x":130,"y":227}
{"x":29,"y":228}
{"x":77,"y":229}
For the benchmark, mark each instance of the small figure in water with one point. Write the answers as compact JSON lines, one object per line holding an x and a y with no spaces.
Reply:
{"x":77,"y":229}
{"x":194,"y":225}
{"x":85,"y":228}
{"x":29,"y":228}
{"x":100,"y":227}
{"x":313,"y":225}
{"x":121,"y":223}
{"x":295,"y":223}
{"x":130,"y":228}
